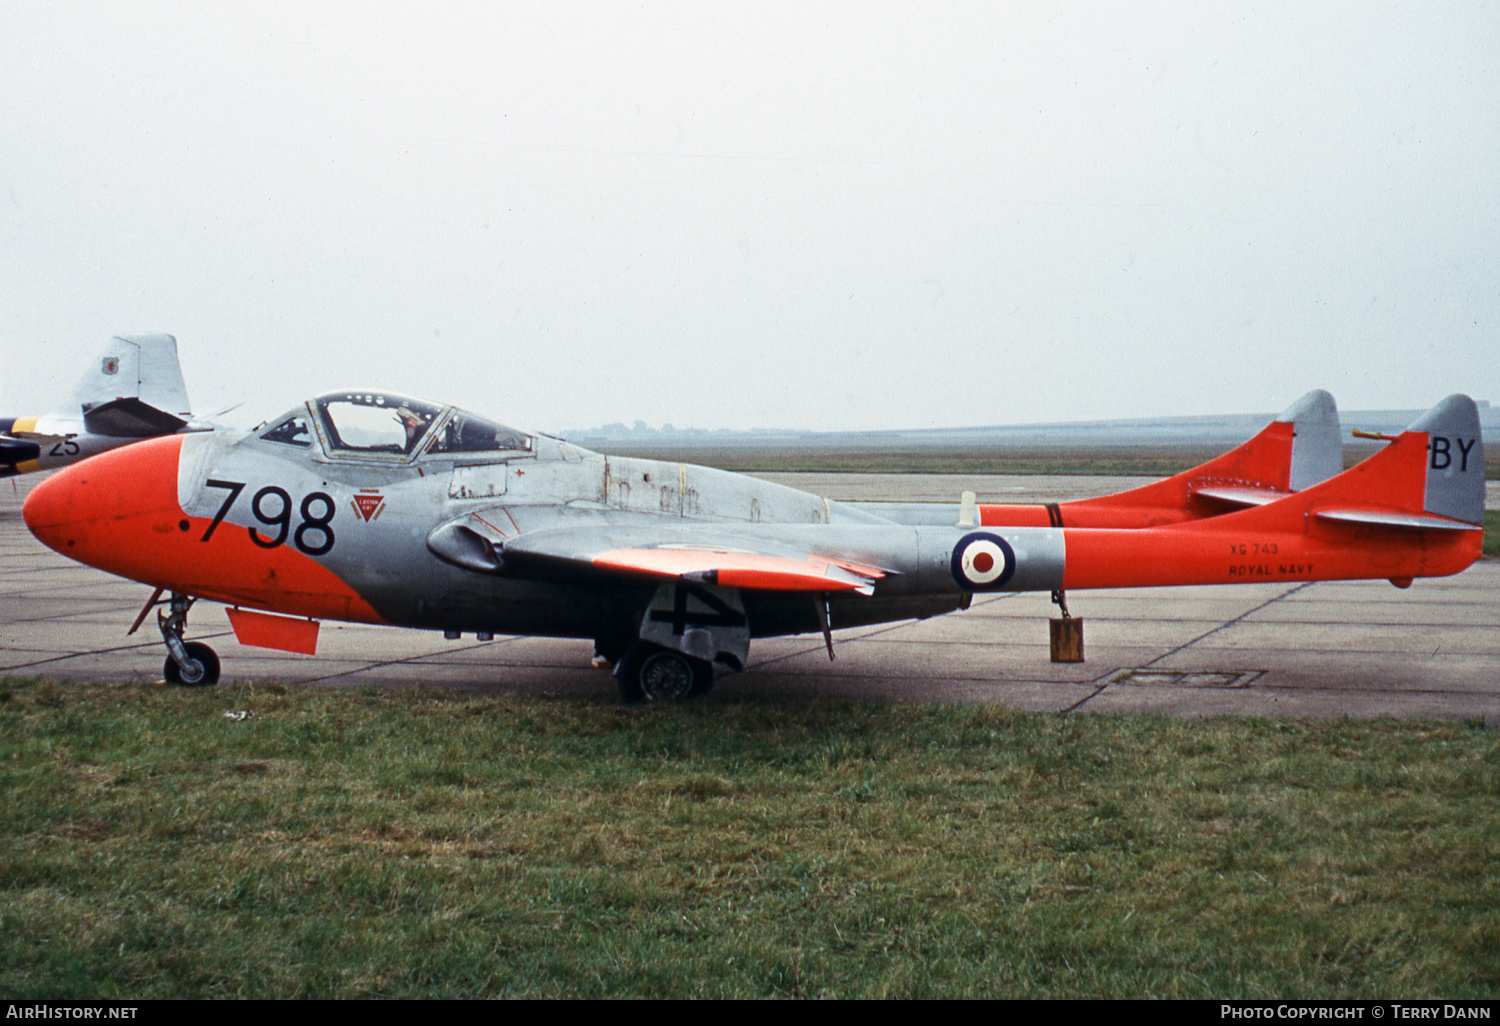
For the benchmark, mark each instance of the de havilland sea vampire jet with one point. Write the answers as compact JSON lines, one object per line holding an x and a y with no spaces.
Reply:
{"x":135,"y":391}
{"x":378,"y":508}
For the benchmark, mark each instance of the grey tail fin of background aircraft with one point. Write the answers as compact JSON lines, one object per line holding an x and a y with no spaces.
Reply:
{"x":1455,"y":459}
{"x":135,"y":390}
{"x":1317,"y":447}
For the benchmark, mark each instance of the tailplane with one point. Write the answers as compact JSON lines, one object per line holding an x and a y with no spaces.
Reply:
{"x":1296,"y":451}
{"x":134,"y":391}
{"x":1431,"y":477}
{"x":1414,"y":509}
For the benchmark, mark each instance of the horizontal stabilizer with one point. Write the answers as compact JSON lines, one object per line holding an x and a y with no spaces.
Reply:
{"x":1430,"y":477}
{"x":130,"y":418}
{"x":1245,"y":497}
{"x":1410,"y":521}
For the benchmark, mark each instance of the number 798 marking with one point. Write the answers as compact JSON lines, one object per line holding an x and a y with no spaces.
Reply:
{"x":320,"y":525}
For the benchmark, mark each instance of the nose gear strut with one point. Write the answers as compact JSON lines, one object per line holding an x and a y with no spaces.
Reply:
{"x":190,"y":663}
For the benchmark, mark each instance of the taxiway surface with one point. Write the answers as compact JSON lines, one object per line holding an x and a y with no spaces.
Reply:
{"x":1358,"y":649}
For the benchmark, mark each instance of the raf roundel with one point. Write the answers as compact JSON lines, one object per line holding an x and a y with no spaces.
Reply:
{"x":983,"y":562}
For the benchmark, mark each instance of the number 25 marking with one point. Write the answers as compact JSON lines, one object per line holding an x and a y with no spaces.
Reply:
{"x":67,"y":447}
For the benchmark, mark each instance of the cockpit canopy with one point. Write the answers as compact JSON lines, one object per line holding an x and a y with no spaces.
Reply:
{"x":371,"y":422}
{"x":381,"y":424}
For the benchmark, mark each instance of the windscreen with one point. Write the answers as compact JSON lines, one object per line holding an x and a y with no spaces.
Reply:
{"x":290,"y":430}
{"x":375,"y":422}
{"x":466,"y":433}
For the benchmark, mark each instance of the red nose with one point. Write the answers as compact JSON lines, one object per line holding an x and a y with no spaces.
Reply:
{"x":114,"y":511}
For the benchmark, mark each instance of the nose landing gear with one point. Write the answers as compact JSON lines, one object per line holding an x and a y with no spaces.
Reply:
{"x":190,"y":663}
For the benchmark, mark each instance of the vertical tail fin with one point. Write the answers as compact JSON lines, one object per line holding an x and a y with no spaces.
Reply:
{"x":1455,"y":460}
{"x":1317,"y":449}
{"x":135,"y":390}
{"x":1430,"y":477}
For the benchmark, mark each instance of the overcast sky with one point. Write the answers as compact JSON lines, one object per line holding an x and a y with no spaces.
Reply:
{"x":828,"y":216}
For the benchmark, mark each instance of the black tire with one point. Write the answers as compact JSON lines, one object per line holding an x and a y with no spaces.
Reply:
{"x":201,"y":654}
{"x":650,"y":673}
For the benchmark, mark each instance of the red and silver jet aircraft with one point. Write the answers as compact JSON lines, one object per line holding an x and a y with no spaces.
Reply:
{"x":378,"y":508}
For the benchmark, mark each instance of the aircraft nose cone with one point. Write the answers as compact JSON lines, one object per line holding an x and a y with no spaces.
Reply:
{"x":107,"y":510}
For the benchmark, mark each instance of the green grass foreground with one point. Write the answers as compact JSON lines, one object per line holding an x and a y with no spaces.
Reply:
{"x":416,"y":844}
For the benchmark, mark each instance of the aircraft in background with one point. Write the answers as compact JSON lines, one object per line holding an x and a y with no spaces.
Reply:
{"x":135,"y":391}
{"x":378,"y":508}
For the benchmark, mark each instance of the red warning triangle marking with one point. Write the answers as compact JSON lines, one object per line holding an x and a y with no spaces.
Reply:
{"x":368,"y":506}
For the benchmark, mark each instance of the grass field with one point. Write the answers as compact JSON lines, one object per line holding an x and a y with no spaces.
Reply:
{"x":411,"y":844}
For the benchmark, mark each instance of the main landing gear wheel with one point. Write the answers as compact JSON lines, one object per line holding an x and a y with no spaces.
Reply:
{"x":206,"y":660}
{"x":650,"y":673}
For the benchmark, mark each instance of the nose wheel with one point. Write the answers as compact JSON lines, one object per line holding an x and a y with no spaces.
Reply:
{"x":200,"y":668}
{"x":190,"y":663}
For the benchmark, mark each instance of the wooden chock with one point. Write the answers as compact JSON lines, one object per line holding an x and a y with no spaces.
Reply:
{"x":1067,"y":633}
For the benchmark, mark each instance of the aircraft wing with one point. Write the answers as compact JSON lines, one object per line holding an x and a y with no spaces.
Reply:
{"x":733,"y":562}
{"x":737,"y":568}
{"x":707,"y":554}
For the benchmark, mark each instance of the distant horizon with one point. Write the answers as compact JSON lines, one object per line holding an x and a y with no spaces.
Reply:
{"x":1230,"y":423}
